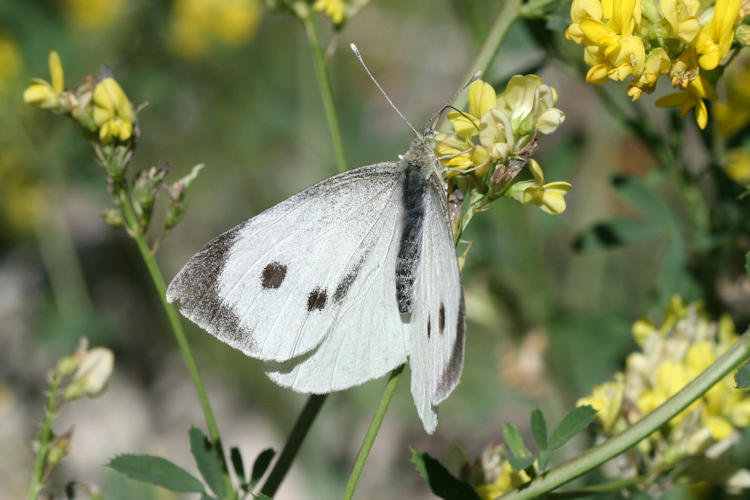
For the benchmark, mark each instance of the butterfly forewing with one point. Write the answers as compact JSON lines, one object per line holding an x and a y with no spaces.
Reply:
{"x":274,"y":286}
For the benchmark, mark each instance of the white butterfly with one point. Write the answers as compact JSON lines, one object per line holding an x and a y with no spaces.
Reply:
{"x":342,"y":282}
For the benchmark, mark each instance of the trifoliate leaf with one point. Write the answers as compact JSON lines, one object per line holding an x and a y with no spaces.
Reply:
{"x":208,"y":462}
{"x":539,"y":428}
{"x":441,"y":482}
{"x":573,"y":423}
{"x":515,"y":441}
{"x":260,"y":465}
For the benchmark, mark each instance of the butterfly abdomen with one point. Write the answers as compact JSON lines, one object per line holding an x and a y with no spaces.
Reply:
{"x":414,"y":189}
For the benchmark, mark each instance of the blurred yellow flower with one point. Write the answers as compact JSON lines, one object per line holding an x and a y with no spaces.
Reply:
{"x":92,"y":375}
{"x":715,"y":38}
{"x":44,"y":94}
{"x":333,"y":9}
{"x":549,"y":197}
{"x":506,"y":480}
{"x":93,"y":14}
{"x":195,"y":25}
{"x":606,"y":399}
{"x":692,"y":97}
{"x":113,"y":113}
{"x":738,"y":165}
{"x":10,"y":60}
{"x":732,"y":112}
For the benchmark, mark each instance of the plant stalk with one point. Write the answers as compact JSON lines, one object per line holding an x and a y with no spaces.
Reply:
{"x":324,"y":84}
{"x":639,"y":431}
{"x":177,"y":329}
{"x":372,"y":432}
{"x":44,"y":437}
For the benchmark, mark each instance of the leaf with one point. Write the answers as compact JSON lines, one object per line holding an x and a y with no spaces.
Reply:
{"x":544,"y":457}
{"x":441,"y":482}
{"x":742,"y":377}
{"x":208,"y":461}
{"x":238,"y":466}
{"x":573,"y":423}
{"x":260,"y":465}
{"x":747,"y":263}
{"x":643,"y":198}
{"x":520,"y":463}
{"x":158,"y":471}
{"x":539,"y":428}
{"x":615,"y":233}
{"x":515,"y":441}
{"x":261,"y":496}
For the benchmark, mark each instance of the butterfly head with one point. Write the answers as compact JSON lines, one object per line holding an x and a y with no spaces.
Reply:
{"x":421,"y":153}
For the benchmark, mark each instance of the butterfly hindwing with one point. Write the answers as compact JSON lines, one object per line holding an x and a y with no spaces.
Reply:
{"x":436,"y":337}
{"x":275,"y":286}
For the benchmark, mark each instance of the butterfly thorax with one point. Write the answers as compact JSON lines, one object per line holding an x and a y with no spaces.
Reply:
{"x":421,"y":155}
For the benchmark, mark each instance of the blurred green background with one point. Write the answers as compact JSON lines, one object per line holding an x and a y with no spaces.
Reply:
{"x":231,"y":84}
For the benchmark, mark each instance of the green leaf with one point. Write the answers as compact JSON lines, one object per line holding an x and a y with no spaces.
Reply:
{"x":158,"y":471}
{"x":615,"y":233}
{"x":742,"y":377}
{"x":261,"y":496}
{"x":208,"y":461}
{"x":747,"y":263}
{"x":539,"y":428}
{"x":238,"y":466}
{"x":573,"y":423}
{"x":643,"y":198}
{"x":520,"y":463}
{"x":260,"y":465}
{"x":544,"y":457}
{"x":441,"y":482}
{"x":515,"y":441}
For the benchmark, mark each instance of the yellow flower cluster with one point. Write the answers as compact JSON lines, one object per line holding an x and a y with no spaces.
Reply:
{"x":98,"y":105}
{"x":671,"y":356}
{"x":10,"y":60}
{"x":335,"y":9}
{"x":645,"y":39}
{"x":94,"y":14}
{"x":196,"y":25}
{"x":492,"y":142}
{"x":498,"y":476}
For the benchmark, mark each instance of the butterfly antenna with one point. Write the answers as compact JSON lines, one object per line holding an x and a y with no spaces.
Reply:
{"x":362,"y":62}
{"x":432,"y":122}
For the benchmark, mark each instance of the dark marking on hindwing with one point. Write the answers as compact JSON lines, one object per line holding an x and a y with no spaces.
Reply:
{"x":273,"y":275}
{"x":317,"y":299}
{"x":441,"y":319}
{"x":410,"y":245}
{"x":428,"y":326}
{"x":197,"y":285}
{"x":452,"y":370}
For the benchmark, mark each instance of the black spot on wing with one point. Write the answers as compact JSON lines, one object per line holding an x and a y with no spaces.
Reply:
{"x":452,"y":370}
{"x":196,"y":286}
{"x":273,"y":275}
{"x":428,"y":326}
{"x":317,"y":299}
{"x":410,"y":244}
{"x":441,"y":319}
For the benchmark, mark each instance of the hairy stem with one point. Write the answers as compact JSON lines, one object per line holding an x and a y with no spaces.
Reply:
{"x":372,"y":432}
{"x":44,"y":437}
{"x":639,"y":431}
{"x":177,"y":329}
{"x":324,"y":84}
{"x":296,"y":437}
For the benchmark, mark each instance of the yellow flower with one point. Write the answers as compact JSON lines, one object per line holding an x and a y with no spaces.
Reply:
{"x":113,"y":113}
{"x":733,"y":112}
{"x":44,"y":94}
{"x":715,"y":38}
{"x":530,"y":104}
{"x":606,"y":399}
{"x":482,"y":98}
{"x":333,"y":9}
{"x":657,"y":64}
{"x":507,"y":480}
{"x":681,"y":15}
{"x":196,"y":24}
{"x":10,"y":60}
{"x":738,"y":165}
{"x":461,"y":155}
{"x":692,"y":97}
{"x":93,"y":14}
{"x":549,"y":197}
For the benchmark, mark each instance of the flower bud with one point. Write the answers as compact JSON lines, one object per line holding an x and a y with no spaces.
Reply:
{"x":92,"y":374}
{"x":113,"y":218}
{"x":58,"y":449}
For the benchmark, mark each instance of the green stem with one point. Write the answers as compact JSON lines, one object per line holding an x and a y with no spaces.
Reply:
{"x":311,"y":28}
{"x":499,"y":29}
{"x":177,"y":329}
{"x":372,"y":432}
{"x":647,"y":425}
{"x":44,"y":437}
{"x":296,"y":437}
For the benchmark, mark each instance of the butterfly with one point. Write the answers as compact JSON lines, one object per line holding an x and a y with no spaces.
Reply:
{"x":342,"y":282}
